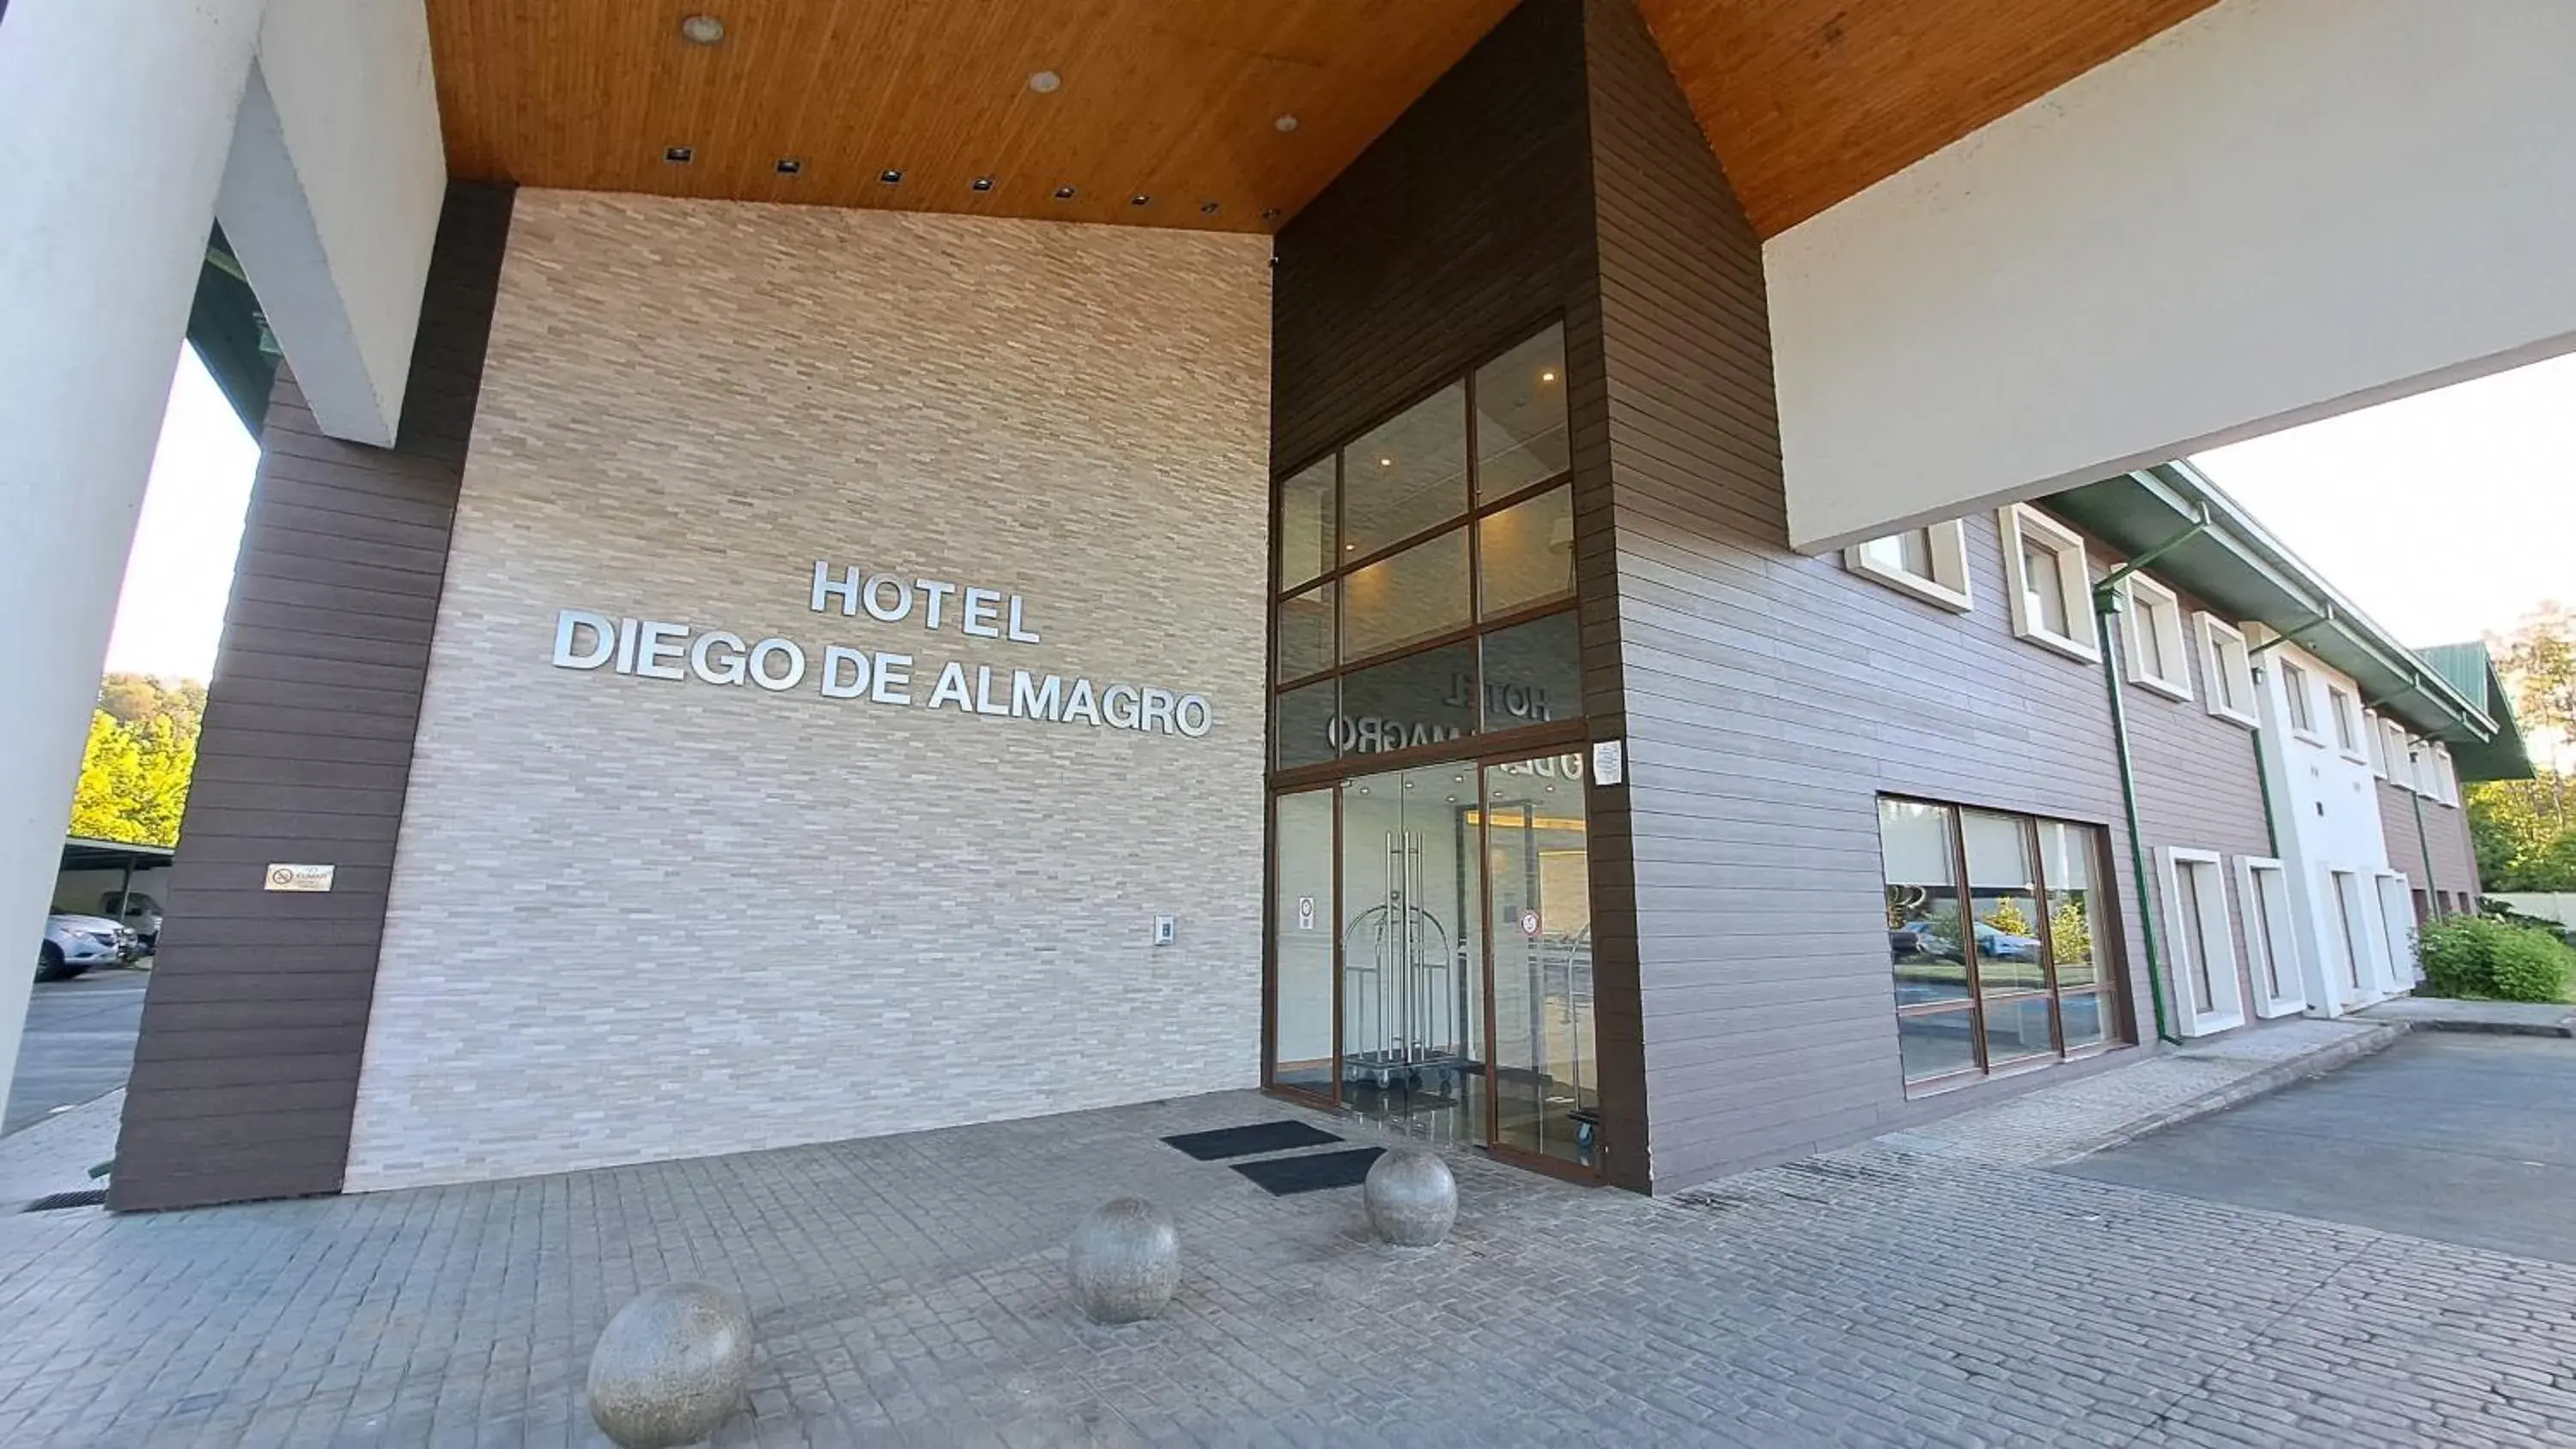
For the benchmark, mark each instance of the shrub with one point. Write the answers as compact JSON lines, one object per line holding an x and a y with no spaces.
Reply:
{"x":2472,"y":956}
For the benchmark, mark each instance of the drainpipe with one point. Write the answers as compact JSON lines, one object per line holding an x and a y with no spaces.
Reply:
{"x":2106,"y":602}
{"x":2423,"y":840}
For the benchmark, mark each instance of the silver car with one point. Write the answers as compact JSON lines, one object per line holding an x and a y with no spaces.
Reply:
{"x":73,"y":944}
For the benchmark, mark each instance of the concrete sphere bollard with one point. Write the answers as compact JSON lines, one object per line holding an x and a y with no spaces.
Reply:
{"x":671,"y":1367}
{"x":1412,"y":1198}
{"x":1124,"y":1261}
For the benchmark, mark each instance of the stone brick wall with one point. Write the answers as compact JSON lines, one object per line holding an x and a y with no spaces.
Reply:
{"x":637,"y":918}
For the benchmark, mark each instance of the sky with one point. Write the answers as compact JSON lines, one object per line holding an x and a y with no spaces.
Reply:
{"x":181,"y":570}
{"x":2443,"y":516}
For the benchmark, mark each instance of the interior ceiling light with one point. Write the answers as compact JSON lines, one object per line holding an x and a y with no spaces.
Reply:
{"x":981,"y":183}
{"x":1270,"y":213}
{"x":701,"y":30}
{"x":1286,"y":123}
{"x":789,"y":166}
{"x":1207,"y":208}
{"x":680,"y":154}
{"x":1064,"y":193}
{"x":891,"y":176}
{"x":1139,"y":199}
{"x":1548,"y":376}
{"x":1044,"y":82}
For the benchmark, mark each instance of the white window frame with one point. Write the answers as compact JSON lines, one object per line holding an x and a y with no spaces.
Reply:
{"x":2343,"y":718}
{"x":2271,"y":936}
{"x":1948,"y":587}
{"x":2353,"y":941}
{"x":2150,"y":605}
{"x":2401,"y":770}
{"x":2446,"y":781}
{"x":2223,"y":656}
{"x":2374,"y":740}
{"x":2225,"y":1011}
{"x":2020,"y":522}
{"x":2296,"y":679}
{"x":2397,"y":927}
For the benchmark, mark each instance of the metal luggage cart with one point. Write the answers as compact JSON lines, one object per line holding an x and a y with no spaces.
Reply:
{"x":1404,"y":984}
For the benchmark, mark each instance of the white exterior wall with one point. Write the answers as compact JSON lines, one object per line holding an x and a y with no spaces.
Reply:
{"x":2326,"y":804}
{"x":635,"y":918}
{"x":2275,"y":211}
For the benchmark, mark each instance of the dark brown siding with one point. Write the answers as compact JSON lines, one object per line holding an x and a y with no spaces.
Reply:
{"x":1771,"y":698}
{"x":246,"y":1072}
{"x":1464,"y":227}
{"x":2446,"y":827}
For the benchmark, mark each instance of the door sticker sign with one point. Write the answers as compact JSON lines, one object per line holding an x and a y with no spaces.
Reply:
{"x":1305,"y":913}
{"x":1529,"y":923}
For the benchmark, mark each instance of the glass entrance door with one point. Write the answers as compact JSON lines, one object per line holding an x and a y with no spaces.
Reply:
{"x":1412,"y":919}
{"x":1546,"y":1073}
{"x":1431,"y":953}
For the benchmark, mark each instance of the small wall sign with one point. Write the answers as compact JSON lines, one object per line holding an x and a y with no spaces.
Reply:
{"x":1305,"y":913}
{"x":299,"y":877}
{"x":1529,"y":923}
{"x":1609,"y":762}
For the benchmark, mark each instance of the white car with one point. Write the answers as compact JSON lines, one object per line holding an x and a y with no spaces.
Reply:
{"x":73,"y":944}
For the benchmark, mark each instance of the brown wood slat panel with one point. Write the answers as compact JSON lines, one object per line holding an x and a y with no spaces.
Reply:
{"x":254,"y":1029}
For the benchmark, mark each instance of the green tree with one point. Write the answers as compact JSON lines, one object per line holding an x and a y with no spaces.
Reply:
{"x":142,"y":750}
{"x":2525,"y":830}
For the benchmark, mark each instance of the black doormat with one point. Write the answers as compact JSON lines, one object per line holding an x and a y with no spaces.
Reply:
{"x":1314,"y":1172}
{"x":1244,"y":1141}
{"x":56,"y":1202}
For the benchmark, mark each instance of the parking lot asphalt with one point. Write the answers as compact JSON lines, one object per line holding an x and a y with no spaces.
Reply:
{"x":2466,"y":1139}
{"x":79,"y":1043}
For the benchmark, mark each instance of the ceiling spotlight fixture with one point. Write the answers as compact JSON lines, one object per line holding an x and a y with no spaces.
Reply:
{"x":1064,"y":193}
{"x":1548,"y":376}
{"x":1286,"y":123}
{"x":981,"y":183}
{"x":680,"y":155}
{"x":701,"y":30}
{"x":1207,"y":208}
{"x":1386,"y":462}
{"x":1139,"y":199}
{"x":1044,"y":82}
{"x":890,"y":176}
{"x":789,"y":166}
{"x":1270,"y":213}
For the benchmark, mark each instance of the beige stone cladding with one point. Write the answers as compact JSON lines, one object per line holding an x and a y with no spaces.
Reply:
{"x":637,"y":918}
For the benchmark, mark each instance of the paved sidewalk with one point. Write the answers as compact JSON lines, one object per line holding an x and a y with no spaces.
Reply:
{"x":2511,"y":1018}
{"x":1933,"y":1287}
{"x":56,"y":1154}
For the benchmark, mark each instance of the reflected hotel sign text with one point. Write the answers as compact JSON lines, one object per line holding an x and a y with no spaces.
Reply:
{"x":655,"y":649}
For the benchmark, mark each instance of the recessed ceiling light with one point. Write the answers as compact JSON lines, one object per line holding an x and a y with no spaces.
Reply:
{"x":1270,"y":213}
{"x":891,"y":176}
{"x":981,"y":183}
{"x":701,"y":30}
{"x":1207,"y":208}
{"x":1548,"y":376}
{"x":681,"y":154}
{"x":789,"y":166}
{"x":1139,"y":199}
{"x":1286,"y":123}
{"x":1064,"y":193}
{"x":1386,"y":462}
{"x":1044,"y":82}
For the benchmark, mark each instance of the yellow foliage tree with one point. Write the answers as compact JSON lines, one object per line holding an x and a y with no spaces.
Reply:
{"x":134,"y":775}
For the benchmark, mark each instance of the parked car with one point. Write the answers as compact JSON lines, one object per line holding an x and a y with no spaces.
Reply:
{"x":73,"y":944}
{"x":142,"y":916}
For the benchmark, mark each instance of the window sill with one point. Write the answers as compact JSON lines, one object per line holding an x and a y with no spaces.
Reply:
{"x":2213,"y":1025}
{"x":2234,"y":716}
{"x":1930,"y":591}
{"x":2357,"y":759}
{"x":2308,"y":737}
{"x":2071,"y":648}
{"x":2165,"y":687}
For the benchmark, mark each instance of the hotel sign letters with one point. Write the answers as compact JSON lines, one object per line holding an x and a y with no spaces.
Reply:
{"x":656,"y":649}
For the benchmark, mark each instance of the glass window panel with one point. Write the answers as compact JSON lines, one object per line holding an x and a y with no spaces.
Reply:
{"x":1525,"y":553}
{"x":1534,"y":672}
{"x":1937,"y":1043}
{"x":1408,"y":474}
{"x":2151,"y":639}
{"x":2066,"y":856}
{"x":2005,"y":902}
{"x":1302,"y":926}
{"x":1412,"y":950}
{"x":1305,"y":730}
{"x":1306,"y":632}
{"x":2087,"y":1023}
{"x":1538,"y":875}
{"x":2194,"y":941}
{"x":2045,"y":583}
{"x":2294,"y":687}
{"x":2017,"y":1028}
{"x":1412,"y":596}
{"x":1419,"y":699}
{"x":1923,"y":935}
{"x":1306,"y":525}
{"x":2258,"y":932}
{"x":1520,"y":416}
{"x":1908,"y":552}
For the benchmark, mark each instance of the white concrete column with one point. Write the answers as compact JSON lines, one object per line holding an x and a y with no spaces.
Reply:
{"x":115,"y":120}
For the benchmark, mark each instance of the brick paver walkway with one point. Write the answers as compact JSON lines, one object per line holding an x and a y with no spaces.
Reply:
{"x":1930,"y":1287}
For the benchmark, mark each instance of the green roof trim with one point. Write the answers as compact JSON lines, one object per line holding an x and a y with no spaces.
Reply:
{"x":2237,"y":567}
{"x":2472,"y":671}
